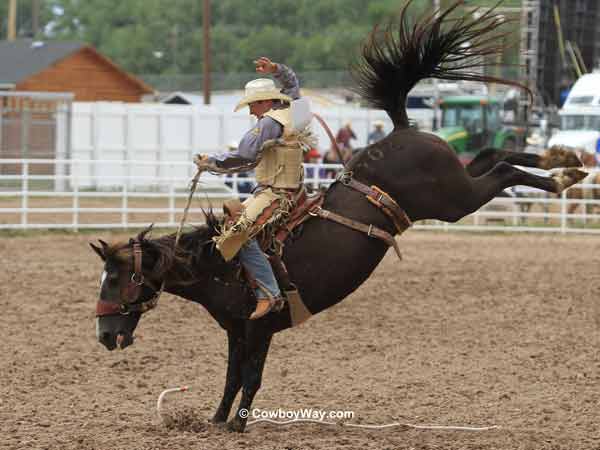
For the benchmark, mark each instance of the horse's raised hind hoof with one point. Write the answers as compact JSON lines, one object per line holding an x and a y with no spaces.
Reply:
{"x":559,"y":156}
{"x":566,"y":178}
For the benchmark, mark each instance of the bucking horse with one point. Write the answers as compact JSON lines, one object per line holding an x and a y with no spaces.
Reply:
{"x":406,"y":177}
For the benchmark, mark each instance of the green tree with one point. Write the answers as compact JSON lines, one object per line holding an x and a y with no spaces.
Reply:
{"x":159,"y":37}
{"x":25,"y":18}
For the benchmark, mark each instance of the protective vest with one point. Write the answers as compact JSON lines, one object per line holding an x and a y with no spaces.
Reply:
{"x":281,"y":164}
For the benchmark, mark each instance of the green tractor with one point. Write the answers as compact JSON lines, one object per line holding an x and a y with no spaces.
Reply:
{"x":471,"y":123}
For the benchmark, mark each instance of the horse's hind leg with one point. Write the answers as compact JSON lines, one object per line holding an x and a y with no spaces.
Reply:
{"x":553,"y":157}
{"x":460,"y":195}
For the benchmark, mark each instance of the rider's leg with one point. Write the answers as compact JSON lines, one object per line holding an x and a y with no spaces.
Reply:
{"x":256,"y":263}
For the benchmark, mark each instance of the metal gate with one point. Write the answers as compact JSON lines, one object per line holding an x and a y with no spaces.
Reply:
{"x":36,"y":125}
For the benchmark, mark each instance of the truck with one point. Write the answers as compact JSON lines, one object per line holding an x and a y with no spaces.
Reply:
{"x":470,"y":123}
{"x":580,"y":116}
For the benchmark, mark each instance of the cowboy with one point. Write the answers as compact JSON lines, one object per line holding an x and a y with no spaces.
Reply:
{"x":275,"y":150}
{"x":377,"y":134}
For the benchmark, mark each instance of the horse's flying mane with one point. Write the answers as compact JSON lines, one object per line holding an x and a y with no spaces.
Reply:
{"x":193,"y":257}
{"x":399,"y":53}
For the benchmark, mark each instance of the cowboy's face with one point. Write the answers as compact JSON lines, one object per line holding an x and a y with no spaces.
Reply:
{"x":260,"y":107}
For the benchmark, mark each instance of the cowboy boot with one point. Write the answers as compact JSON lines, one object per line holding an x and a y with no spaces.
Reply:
{"x":265,"y":305}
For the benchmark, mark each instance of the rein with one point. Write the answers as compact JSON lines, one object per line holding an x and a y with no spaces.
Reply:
{"x":334,"y":145}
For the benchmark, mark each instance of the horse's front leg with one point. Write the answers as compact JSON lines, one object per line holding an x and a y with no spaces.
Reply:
{"x":233,"y":383}
{"x":257,"y":347}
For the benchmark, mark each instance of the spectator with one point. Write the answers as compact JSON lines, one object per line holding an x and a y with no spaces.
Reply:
{"x":343,"y":138}
{"x":377,"y":134}
{"x":312,"y":157}
{"x":331,"y":157}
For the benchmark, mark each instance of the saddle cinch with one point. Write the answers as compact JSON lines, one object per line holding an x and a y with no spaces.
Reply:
{"x":272,"y":241}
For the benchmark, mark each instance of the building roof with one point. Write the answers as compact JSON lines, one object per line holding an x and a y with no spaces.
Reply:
{"x":183,"y":98}
{"x":24,"y":58}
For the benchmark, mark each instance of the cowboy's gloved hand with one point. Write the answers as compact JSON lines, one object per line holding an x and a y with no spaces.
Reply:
{"x":201,"y":160}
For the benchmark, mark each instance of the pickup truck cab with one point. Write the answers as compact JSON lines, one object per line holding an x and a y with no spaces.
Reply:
{"x":580,"y":116}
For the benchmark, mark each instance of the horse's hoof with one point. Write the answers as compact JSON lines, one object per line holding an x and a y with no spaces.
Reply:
{"x":236,"y":426}
{"x":559,"y":156}
{"x":218,"y":420}
{"x":567,"y":178}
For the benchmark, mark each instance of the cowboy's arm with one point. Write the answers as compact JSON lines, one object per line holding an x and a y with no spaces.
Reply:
{"x":248,"y":148}
{"x":282,"y":73}
{"x":288,"y":80}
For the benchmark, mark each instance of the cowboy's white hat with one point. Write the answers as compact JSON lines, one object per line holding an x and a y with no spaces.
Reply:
{"x":378,"y":123}
{"x":261,"y":89}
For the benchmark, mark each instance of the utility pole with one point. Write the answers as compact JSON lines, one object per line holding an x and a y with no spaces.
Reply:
{"x":529,"y":53}
{"x":12,"y":20}
{"x":206,"y":66}
{"x":35,"y":17}
{"x":436,"y":88}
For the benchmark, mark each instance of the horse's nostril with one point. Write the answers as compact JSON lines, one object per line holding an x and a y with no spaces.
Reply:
{"x":108,"y":340}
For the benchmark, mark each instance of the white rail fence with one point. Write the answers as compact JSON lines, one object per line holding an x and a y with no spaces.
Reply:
{"x":133,"y":194}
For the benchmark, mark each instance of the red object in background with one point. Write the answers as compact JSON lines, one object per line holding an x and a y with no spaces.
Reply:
{"x":313,"y":153}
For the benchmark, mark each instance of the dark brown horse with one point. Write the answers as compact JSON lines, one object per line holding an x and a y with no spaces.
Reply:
{"x":328,"y":261}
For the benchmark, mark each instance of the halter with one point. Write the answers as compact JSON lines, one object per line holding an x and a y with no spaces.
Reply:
{"x":134,"y":287}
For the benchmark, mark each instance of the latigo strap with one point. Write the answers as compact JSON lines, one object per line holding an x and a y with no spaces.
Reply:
{"x":371,"y":230}
{"x":380,"y":199}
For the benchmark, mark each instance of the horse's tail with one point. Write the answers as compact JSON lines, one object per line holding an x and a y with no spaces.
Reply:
{"x":396,"y":57}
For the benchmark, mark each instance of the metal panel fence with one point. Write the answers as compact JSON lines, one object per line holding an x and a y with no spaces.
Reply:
{"x":134,"y":194}
{"x":35,"y":125}
{"x":149,"y":132}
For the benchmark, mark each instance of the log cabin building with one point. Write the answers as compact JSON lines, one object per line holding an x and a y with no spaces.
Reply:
{"x":38,"y":82}
{"x":54,"y":66}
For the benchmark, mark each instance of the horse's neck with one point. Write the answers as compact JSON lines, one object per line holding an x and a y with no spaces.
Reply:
{"x":219,"y":291}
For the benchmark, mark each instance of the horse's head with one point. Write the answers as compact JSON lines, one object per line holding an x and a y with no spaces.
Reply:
{"x":128,"y":287}
{"x":135,"y":273}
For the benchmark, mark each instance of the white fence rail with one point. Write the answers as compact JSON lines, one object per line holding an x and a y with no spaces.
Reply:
{"x":133,"y":194}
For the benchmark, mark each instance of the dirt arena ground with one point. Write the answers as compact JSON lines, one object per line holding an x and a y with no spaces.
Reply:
{"x":472,"y":330}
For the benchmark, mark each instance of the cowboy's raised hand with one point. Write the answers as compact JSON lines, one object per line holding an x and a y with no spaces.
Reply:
{"x":265,"y":65}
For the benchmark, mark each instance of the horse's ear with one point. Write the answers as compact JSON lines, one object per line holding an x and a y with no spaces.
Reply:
{"x":99,"y":251}
{"x":142,"y":235}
